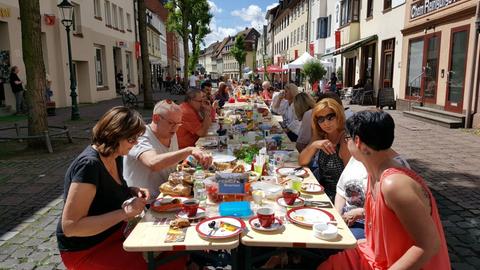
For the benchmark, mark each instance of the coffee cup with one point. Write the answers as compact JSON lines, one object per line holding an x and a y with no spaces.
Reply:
{"x":290,"y":195}
{"x":190,"y":207}
{"x":266,"y":216}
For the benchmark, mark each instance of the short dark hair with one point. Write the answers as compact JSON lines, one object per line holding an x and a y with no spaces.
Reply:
{"x":116,"y":124}
{"x":191,"y":94}
{"x":206,"y":84}
{"x":374,"y":128}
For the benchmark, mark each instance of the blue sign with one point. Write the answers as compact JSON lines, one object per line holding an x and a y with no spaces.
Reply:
{"x":231,"y":183}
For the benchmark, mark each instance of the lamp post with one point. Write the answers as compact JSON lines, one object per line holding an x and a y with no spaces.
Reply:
{"x":66,"y":9}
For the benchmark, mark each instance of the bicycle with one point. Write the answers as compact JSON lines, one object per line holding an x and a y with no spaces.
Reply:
{"x":128,"y":98}
{"x":177,"y":89}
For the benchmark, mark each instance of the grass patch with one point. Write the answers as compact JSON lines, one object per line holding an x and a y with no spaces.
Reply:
{"x":12,"y":118}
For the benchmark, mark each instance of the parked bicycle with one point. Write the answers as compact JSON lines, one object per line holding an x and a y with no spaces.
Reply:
{"x":129,"y":99}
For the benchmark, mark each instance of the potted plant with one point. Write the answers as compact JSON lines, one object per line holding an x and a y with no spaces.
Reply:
{"x":313,"y":70}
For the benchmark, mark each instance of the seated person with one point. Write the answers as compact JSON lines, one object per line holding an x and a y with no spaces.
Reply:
{"x":266,"y":95}
{"x":196,"y":118}
{"x":150,"y":162}
{"x":222,"y":95}
{"x":404,"y":230}
{"x":90,"y":230}
{"x":328,"y":122}
{"x":206,"y":87}
{"x":304,"y":104}
{"x":290,"y":122}
{"x":351,"y":190}
{"x":278,"y":105}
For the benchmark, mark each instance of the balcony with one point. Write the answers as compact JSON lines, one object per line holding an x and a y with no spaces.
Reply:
{"x":349,"y":33}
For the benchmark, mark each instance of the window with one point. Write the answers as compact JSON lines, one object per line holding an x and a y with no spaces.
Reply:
{"x":349,"y":10}
{"x":129,"y":24}
{"x":369,"y":8}
{"x":301,"y":35}
{"x":121,"y":25}
{"x":329,"y":28}
{"x":96,"y":9}
{"x":108,"y":14}
{"x":99,"y":65}
{"x":322,"y":27}
{"x":114,"y":17}
{"x":387,"y":4}
{"x":298,"y":35}
{"x":76,"y":19}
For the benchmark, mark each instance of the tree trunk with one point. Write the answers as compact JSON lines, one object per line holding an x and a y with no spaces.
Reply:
{"x":34,"y":69}
{"x":146,"y":73}
{"x":239,"y":71}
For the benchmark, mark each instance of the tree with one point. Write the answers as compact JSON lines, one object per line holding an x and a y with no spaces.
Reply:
{"x":146,"y":74}
{"x":190,"y":20}
{"x":314,"y":71}
{"x":34,"y":69}
{"x":238,"y":52}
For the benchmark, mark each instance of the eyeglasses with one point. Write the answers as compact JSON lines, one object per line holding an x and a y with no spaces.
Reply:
{"x":347,"y":137}
{"x":132,"y":140}
{"x":328,"y":117}
{"x":172,"y":124}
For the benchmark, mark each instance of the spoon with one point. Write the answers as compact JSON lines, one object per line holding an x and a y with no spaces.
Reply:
{"x":213,"y":227}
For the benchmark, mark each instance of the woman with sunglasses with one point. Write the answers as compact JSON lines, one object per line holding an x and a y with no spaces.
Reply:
{"x":98,"y":200}
{"x":328,"y":140}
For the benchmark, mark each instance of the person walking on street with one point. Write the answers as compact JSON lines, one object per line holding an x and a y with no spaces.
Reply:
{"x":333,"y":83}
{"x":17,"y":89}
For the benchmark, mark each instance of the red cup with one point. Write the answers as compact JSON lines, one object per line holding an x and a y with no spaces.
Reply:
{"x":190,"y":207}
{"x":266,"y":216}
{"x":290,"y":195}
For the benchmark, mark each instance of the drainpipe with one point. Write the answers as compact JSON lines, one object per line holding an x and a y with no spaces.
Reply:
{"x":468,"y":118}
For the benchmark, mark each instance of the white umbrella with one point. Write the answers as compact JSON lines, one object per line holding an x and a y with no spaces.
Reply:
{"x":299,"y":62}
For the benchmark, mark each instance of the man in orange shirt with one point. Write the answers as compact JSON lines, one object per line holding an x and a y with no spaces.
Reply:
{"x":195,"y":118}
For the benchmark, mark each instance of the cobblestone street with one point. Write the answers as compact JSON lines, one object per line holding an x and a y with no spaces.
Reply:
{"x":31,"y":189}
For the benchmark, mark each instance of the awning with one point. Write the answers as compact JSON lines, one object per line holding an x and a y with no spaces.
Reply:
{"x":352,"y":46}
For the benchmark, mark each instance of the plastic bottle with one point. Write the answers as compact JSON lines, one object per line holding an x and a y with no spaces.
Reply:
{"x":199,"y":191}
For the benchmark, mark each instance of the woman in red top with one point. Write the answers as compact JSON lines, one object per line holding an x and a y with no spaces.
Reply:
{"x":266,"y":93}
{"x":402,"y":225}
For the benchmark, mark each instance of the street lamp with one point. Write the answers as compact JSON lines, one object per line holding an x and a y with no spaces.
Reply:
{"x":66,"y":9}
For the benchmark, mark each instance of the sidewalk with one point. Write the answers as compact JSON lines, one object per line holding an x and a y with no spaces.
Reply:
{"x":31,"y":188}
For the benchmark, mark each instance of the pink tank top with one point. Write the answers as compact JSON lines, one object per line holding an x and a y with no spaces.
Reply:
{"x":387,"y":240}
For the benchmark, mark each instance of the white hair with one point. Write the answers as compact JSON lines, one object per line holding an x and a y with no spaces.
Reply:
{"x":165,"y":108}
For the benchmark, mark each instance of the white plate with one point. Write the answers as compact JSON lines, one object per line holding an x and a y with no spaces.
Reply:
{"x":223,"y":158}
{"x":204,"y":230}
{"x":200,"y":214}
{"x":298,"y":202}
{"x":209,"y":144}
{"x":307,"y":216}
{"x":255,"y":224}
{"x":291,"y":171}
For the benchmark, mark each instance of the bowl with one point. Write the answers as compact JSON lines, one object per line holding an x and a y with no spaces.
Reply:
{"x":325,"y":231}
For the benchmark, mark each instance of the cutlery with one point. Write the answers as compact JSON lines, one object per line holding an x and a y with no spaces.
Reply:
{"x":213,"y":228}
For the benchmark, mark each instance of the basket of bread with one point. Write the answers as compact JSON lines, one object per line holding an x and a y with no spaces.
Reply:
{"x":178,"y":184}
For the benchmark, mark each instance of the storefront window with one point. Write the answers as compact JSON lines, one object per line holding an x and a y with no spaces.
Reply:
{"x":414,"y":68}
{"x":431,"y":67}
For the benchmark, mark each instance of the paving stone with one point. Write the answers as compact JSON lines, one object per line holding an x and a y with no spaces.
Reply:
{"x":18,"y":240}
{"x":8,"y":235}
{"x":46,"y":267}
{"x":26,"y":266}
{"x":464,"y":252}
{"x":8,"y":248}
{"x":22,"y":252}
{"x":12,"y":200}
{"x":38,"y":257}
{"x":473,"y":261}
{"x":462,"y":266}
{"x":8,"y":264}
{"x":61,"y":266}
{"x":34,"y":242}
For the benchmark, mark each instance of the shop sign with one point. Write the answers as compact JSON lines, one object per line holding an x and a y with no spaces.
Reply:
{"x":4,"y":12}
{"x":427,"y":6}
{"x":312,"y":49}
{"x":337,"y":39}
{"x":122,"y":44}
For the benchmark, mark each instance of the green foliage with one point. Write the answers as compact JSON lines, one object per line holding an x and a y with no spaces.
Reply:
{"x":314,"y":71}
{"x":340,"y":73}
{"x":238,"y":52}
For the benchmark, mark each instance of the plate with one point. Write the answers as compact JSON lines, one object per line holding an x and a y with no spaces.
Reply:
{"x":298,"y":202}
{"x":208,"y":144}
{"x":223,"y":158}
{"x":255,"y":224}
{"x":167,"y":204}
{"x":284,"y":171}
{"x":200,"y":214}
{"x":307,"y":216}
{"x":311,"y":187}
{"x":204,"y":230}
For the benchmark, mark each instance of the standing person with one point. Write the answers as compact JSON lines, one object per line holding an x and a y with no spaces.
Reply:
{"x":195,"y":118}
{"x":192,"y":80}
{"x":333,"y":83}
{"x":119,"y":81}
{"x":403,"y":228}
{"x":150,"y":162}
{"x":98,"y":200}
{"x":160,"y":82}
{"x":17,"y":89}
{"x":328,"y":123}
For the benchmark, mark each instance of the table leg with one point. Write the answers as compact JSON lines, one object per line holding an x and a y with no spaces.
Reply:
{"x":151,"y":260}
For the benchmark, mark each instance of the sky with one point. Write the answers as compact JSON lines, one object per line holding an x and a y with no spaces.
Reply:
{"x":232,"y":16}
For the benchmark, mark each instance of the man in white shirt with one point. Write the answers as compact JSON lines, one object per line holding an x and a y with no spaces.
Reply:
{"x":193,"y":80}
{"x":150,"y":162}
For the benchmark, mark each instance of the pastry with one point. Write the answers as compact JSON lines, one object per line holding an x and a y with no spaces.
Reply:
{"x":181,"y":189}
{"x":238,"y":169}
{"x":180,"y":223}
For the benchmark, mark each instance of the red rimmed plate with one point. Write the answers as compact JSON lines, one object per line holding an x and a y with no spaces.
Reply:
{"x":307,"y":216}
{"x":168,"y":204}
{"x":200,"y":214}
{"x":298,"y":202}
{"x":286,"y":171}
{"x":232,"y":227}
{"x":311,"y":188}
{"x":255,"y":224}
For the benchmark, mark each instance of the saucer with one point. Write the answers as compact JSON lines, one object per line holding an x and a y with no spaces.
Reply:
{"x":200,"y":214}
{"x":298,"y":202}
{"x":255,"y":224}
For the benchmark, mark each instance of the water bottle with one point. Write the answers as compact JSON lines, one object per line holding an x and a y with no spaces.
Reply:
{"x":199,"y":191}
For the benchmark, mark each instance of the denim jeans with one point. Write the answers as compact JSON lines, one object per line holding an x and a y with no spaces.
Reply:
{"x":18,"y":101}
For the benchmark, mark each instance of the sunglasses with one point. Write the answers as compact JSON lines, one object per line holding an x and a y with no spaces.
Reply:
{"x":328,"y":117}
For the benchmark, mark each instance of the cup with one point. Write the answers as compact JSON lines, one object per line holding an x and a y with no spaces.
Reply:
{"x":266,"y":216}
{"x":190,"y":207}
{"x":295,"y":182}
{"x":325,"y":230}
{"x":290,"y":195}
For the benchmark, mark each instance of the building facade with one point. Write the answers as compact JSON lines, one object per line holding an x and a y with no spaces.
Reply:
{"x":438,"y":56}
{"x":103,"y":44}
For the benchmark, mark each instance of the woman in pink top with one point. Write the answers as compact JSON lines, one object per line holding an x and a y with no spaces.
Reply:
{"x":402,"y":225}
{"x":266,"y":93}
